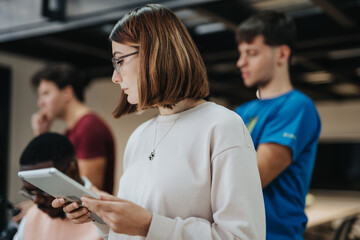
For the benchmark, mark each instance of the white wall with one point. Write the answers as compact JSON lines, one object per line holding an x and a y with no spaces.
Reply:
{"x":340,"y":121}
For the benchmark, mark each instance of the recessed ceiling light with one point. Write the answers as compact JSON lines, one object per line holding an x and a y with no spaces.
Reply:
{"x":346,"y":89}
{"x":185,"y":13}
{"x":319,"y":77}
{"x":107,"y":28}
{"x":192,"y":18}
{"x":223,"y":67}
{"x":346,"y":53}
{"x":358,"y":71}
{"x":210,"y":28}
{"x":286,"y":5}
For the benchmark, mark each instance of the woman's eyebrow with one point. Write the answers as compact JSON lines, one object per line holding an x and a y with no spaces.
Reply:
{"x":114,"y":53}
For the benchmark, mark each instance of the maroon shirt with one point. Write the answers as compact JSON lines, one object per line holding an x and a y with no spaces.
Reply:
{"x":92,"y":138}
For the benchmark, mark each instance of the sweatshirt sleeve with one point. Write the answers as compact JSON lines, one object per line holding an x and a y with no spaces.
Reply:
{"x":236,"y":202}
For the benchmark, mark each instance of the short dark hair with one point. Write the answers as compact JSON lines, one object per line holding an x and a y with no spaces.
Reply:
{"x":171,"y":67}
{"x":63,"y":75}
{"x":48,"y":147}
{"x":277,"y":29}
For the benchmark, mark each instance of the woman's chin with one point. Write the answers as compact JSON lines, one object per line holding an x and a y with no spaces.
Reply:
{"x":132,"y":101}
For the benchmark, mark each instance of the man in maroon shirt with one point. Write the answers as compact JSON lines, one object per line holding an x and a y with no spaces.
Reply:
{"x":61,"y":96}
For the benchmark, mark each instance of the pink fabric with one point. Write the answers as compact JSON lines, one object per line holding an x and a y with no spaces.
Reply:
{"x":39,"y":226}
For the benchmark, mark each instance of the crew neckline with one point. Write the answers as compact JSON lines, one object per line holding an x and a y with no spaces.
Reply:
{"x":173,"y":117}
{"x":279,"y":96}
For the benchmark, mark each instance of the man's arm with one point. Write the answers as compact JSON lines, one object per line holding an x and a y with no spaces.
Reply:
{"x":94,"y":170}
{"x":272,"y":160}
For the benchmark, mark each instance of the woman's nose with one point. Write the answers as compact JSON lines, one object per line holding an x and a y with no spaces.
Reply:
{"x":116,"y":77}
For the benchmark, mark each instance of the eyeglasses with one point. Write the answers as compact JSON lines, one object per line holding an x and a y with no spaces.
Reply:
{"x":31,"y":194}
{"x":117,"y":62}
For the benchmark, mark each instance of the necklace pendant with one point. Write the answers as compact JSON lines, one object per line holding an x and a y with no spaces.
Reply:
{"x":152,"y":155}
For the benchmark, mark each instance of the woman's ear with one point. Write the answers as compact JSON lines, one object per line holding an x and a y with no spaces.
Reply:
{"x":284,"y":53}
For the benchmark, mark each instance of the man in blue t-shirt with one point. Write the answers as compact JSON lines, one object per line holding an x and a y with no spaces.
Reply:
{"x":283,"y":122}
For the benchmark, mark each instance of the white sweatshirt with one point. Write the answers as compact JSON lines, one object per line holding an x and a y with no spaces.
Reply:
{"x":203,"y":182}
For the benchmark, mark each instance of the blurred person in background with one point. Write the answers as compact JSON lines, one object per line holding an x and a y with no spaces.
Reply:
{"x":42,"y":221}
{"x":60,"y":89}
{"x":61,"y":96}
{"x":283,"y":122}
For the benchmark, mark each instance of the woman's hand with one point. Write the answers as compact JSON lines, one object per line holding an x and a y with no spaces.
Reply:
{"x":76,"y":213}
{"x":121,"y":215}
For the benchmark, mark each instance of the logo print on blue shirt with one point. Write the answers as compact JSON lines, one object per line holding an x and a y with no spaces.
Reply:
{"x":289,"y":135}
{"x":251,"y":124}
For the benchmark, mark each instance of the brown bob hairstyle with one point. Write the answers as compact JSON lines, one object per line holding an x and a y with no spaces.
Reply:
{"x":171,"y":67}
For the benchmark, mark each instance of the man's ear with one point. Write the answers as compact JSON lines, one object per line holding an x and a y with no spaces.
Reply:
{"x":284,"y":53}
{"x":68,"y":92}
{"x":73,"y":169}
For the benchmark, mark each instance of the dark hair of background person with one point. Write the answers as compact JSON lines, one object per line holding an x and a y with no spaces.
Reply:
{"x":48,"y":147}
{"x":276,"y":28}
{"x":171,"y":67}
{"x":63,"y":75}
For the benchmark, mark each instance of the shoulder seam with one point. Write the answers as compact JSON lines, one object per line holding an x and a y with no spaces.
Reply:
{"x":227,"y":149}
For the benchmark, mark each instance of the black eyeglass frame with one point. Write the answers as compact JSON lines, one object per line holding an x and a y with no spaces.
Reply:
{"x":115,"y":61}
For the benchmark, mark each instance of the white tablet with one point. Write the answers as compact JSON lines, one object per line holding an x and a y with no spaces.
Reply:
{"x":57,"y":184}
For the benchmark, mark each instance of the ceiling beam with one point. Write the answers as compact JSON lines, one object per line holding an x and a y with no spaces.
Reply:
{"x":312,"y":66}
{"x":43,"y":27}
{"x":335,"y":13}
{"x":72,"y":46}
{"x":216,"y":18}
{"x":328,"y":41}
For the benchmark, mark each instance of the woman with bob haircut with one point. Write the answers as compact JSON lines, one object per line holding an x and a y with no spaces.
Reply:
{"x":190,"y":172}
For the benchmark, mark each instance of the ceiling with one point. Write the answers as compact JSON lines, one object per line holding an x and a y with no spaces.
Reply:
{"x":326,"y":65}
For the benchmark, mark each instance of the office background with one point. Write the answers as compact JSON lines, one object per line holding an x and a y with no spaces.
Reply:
{"x":326,"y":66}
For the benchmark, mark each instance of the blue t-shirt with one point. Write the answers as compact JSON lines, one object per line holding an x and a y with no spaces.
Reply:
{"x":290,"y":120}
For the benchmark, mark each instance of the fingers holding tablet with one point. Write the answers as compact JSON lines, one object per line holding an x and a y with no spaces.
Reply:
{"x":78,"y":215}
{"x":64,"y":188}
{"x":58,"y":202}
{"x":74,"y":211}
